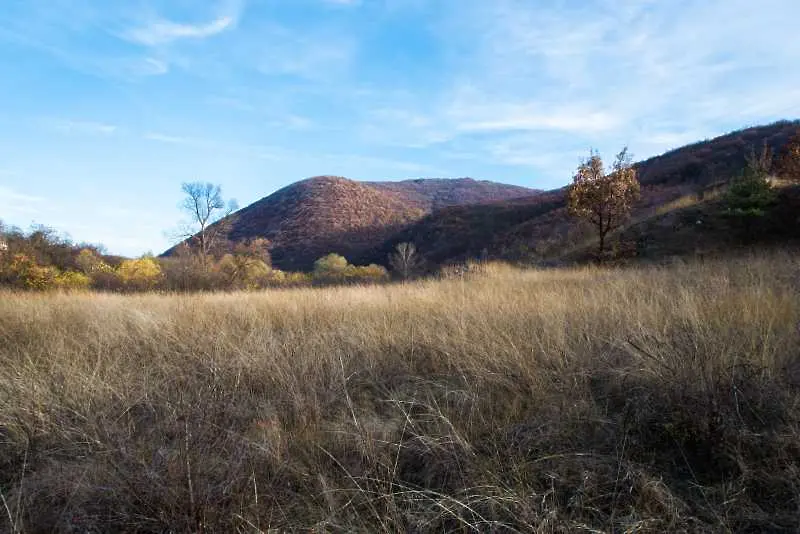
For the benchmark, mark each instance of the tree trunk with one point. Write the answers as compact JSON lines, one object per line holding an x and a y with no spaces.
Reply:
{"x":602,"y":244}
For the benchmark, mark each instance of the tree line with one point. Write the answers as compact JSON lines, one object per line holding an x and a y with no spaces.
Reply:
{"x":204,"y":260}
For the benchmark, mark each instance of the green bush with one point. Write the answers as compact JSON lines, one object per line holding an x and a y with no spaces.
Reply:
{"x":748,"y":199}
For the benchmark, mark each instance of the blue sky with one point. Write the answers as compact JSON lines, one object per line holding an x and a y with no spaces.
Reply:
{"x":109,"y":105}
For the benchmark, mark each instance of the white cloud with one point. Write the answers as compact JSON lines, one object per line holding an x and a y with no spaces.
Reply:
{"x":174,"y":139}
{"x":634,"y":60}
{"x":294,"y":122}
{"x":157,"y":30}
{"x":16,"y":204}
{"x":165,"y":31}
{"x":81,"y":127}
{"x":150,"y":67}
{"x":313,"y":57}
{"x":601,"y":73}
{"x":343,"y":2}
{"x":513,"y":118}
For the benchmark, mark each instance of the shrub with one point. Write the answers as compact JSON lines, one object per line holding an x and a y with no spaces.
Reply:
{"x":331,"y":268}
{"x":90,"y":262}
{"x":290,"y":279}
{"x":367,"y":274}
{"x":749,"y":199}
{"x":24,"y":273}
{"x":242,"y":272}
{"x":72,"y":280}
{"x":141,"y":274}
{"x":186,"y":272}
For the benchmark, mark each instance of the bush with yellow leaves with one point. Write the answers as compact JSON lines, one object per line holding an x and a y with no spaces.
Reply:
{"x":243,"y":272}
{"x":139,"y":275}
{"x":72,"y":281}
{"x":366,"y":274}
{"x":24,"y":273}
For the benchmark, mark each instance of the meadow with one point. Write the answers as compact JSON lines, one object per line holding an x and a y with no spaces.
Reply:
{"x":639,"y":399}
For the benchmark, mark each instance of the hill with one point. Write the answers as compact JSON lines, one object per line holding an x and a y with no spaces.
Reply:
{"x":679,"y":188}
{"x":432,"y":194}
{"x":451,"y":220}
{"x":313,"y":217}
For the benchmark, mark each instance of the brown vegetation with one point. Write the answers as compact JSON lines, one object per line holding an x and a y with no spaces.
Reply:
{"x":603,"y":197}
{"x":432,"y":194}
{"x":450,"y":221}
{"x":37,"y":263}
{"x":538,"y":229}
{"x":328,"y":214}
{"x":789,"y":159}
{"x":596,"y":400}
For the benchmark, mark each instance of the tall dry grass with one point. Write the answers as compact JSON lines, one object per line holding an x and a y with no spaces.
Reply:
{"x":660,"y":399}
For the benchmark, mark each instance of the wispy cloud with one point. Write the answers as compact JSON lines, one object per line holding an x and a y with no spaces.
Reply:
{"x":500,"y":118}
{"x":165,"y":31}
{"x":81,"y":127}
{"x":348,"y":3}
{"x":158,"y":29}
{"x":605,"y":73}
{"x":371,"y":163}
{"x":15,"y":203}
{"x":294,"y":122}
{"x":175,"y":139}
{"x":312,"y":57}
{"x":633,"y":60}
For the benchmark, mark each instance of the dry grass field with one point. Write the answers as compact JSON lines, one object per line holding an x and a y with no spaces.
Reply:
{"x":648,"y":399}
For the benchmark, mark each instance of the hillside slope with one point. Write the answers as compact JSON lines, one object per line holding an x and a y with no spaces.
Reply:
{"x":451,"y":220}
{"x":314,"y":217}
{"x":432,"y":194}
{"x":676,"y":186}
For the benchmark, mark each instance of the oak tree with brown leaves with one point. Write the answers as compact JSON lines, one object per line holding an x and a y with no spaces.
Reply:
{"x":604,"y":198}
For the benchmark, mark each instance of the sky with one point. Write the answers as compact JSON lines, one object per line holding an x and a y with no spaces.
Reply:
{"x":108,"y":106}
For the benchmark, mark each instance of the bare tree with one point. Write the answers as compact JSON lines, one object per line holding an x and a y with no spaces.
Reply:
{"x":760,"y":162}
{"x":405,"y":260}
{"x":209,"y":216}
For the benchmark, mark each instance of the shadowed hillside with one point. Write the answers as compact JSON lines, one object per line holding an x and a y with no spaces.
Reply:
{"x":451,"y":220}
{"x":678,"y":189}
{"x":314,"y":217}
{"x":320,"y":215}
{"x":708,"y":161}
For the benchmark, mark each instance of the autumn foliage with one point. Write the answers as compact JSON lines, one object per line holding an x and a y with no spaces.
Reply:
{"x":41,"y":261}
{"x":334,"y":268}
{"x":604,"y":198}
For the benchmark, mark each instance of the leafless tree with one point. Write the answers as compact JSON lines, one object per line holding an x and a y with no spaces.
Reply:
{"x":209,"y":214}
{"x":405,"y":260}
